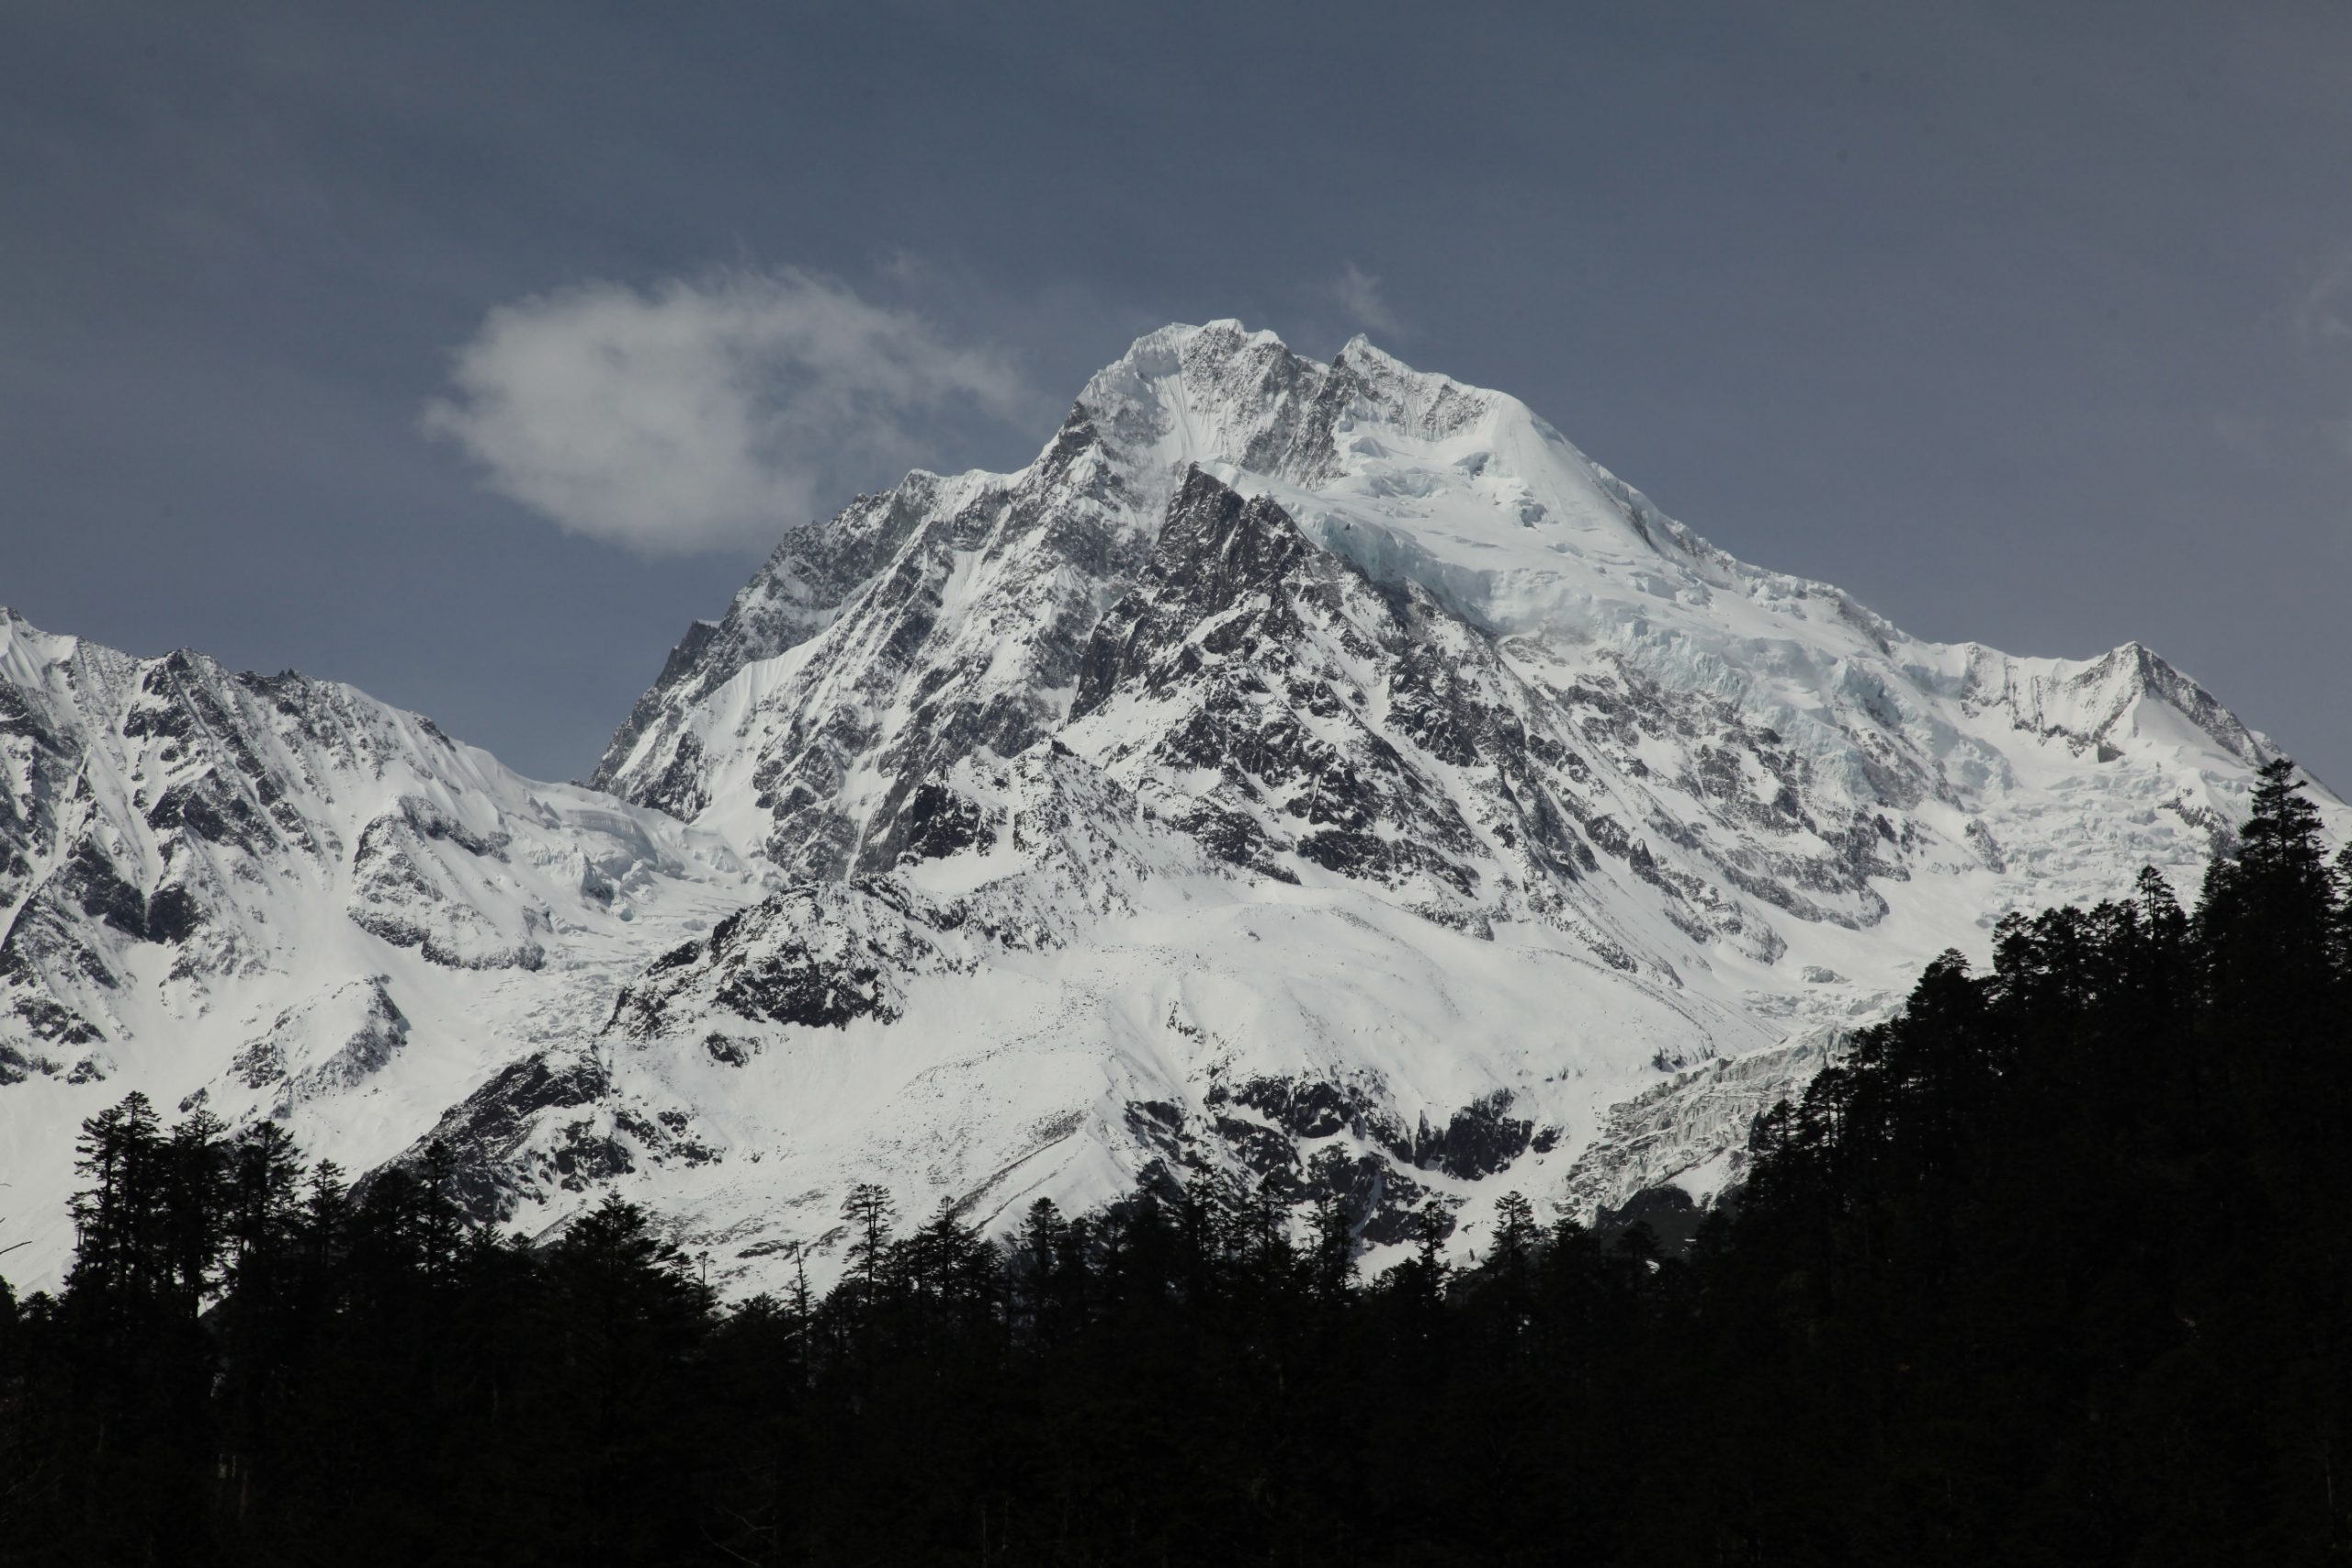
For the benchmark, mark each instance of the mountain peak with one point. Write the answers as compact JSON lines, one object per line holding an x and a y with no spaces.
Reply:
{"x":1320,"y":771}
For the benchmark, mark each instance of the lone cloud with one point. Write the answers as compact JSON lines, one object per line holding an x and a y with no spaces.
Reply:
{"x":704,"y":414}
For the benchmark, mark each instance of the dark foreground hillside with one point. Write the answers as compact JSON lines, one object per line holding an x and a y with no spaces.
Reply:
{"x":2053,"y":1269}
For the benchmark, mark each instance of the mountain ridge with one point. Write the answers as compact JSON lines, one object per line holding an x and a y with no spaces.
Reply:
{"x":1322,"y":772}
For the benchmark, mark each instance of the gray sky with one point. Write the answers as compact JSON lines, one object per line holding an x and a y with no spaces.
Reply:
{"x":2025,"y":323}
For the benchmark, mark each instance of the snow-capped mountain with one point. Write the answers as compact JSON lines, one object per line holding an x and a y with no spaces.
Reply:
{"x":1320,"y":770}
{"x":1453,"y":812}
{"x":276,"y":897}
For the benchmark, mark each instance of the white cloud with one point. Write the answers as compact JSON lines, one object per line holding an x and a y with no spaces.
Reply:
{"x":709,"y":414}
{"x":1358,"y":293}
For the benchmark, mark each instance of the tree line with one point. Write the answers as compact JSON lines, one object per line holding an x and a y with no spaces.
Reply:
{"x":2053,"y":1267}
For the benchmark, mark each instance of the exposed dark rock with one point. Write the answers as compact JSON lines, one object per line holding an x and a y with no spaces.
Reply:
{"x":174,"y":914}
{"x":89,"y":882}
{"x":46,"y":1019}
{"x":937,"y":822}
{"x":1479,"y":1139}
{"x":485,"y":1135}
{"x":16,"y":1064}
{"x":816,"y":955}
{"x":1263,"y":1149}
{"x":1305,"y":1107}
{"x":733,"y":1050}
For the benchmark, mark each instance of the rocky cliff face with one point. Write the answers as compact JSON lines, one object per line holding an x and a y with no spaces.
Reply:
{"x":1321,"y":772}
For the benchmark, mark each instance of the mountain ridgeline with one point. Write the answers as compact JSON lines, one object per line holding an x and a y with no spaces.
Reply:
{"x":2044,"y":1271}
{"x":1316,"y":776}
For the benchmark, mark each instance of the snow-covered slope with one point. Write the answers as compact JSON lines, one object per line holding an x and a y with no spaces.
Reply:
{"x":273,"y":895}
{"x":1470,"y":810}
{"x":1320,"y":770}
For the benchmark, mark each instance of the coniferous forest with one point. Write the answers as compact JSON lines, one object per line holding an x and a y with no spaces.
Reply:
{"x":2053,"y":1268}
